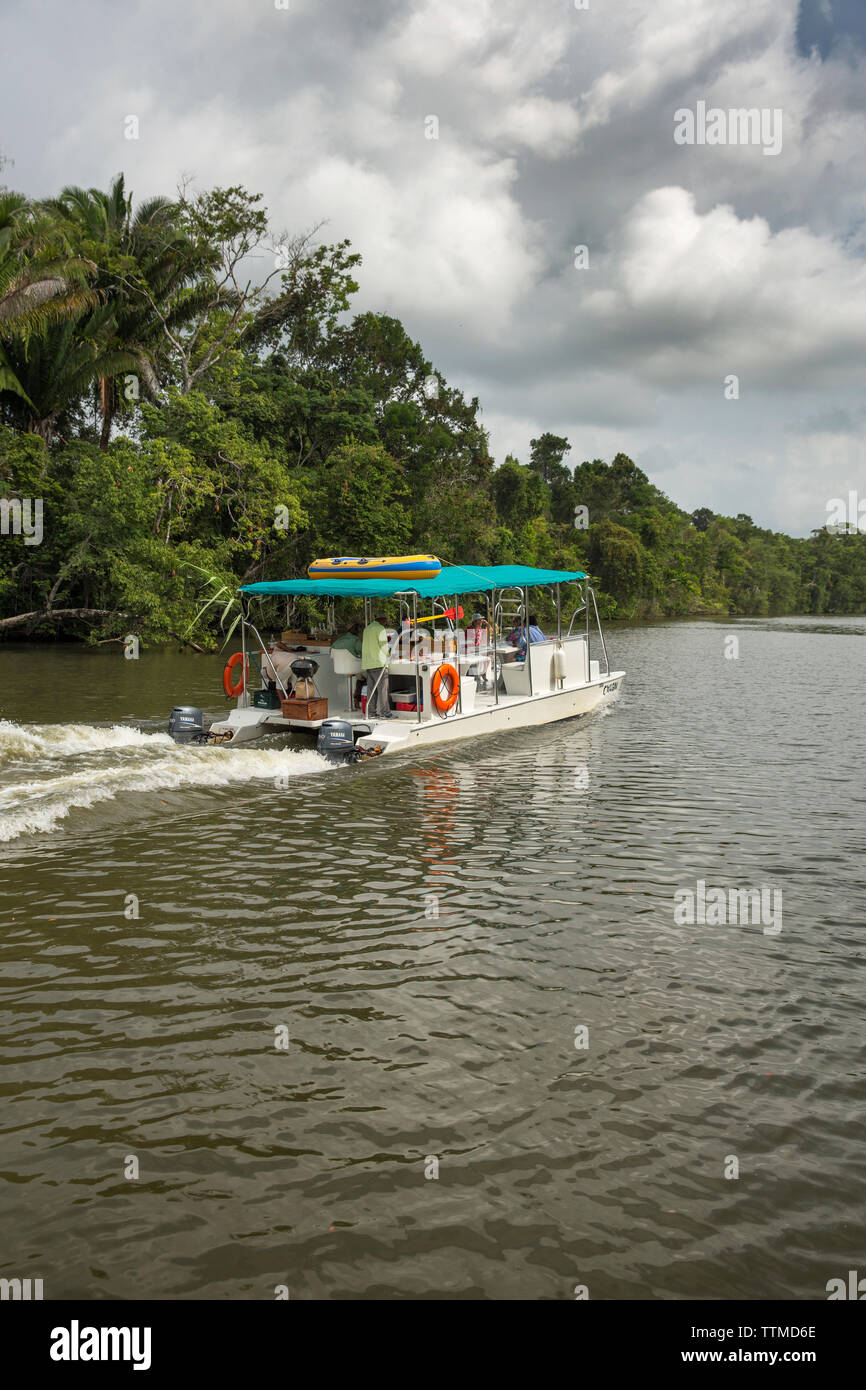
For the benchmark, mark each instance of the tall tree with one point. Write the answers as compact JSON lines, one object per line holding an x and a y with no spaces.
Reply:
{"x":42,"y":281}
{"x":546,"y":456}
{"x":231,"y":305}
{"x":143,"y":260}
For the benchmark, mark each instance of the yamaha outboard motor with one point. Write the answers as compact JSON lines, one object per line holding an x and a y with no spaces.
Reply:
{"x":336,"y":741}
{"x":186,"y":724}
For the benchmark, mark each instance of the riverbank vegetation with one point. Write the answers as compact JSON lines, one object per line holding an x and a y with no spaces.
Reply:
{"x":192,"y":403}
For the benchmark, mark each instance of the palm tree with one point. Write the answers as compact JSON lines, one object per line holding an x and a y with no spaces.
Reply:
{"x":57,"y":367}
{"x":147,"y":271}
{"x":42,"y":281}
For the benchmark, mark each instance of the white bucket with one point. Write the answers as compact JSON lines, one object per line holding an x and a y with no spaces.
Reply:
{"x":468,"y":686}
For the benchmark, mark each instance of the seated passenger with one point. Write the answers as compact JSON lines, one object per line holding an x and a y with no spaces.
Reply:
{"x":516,"y":638}
{"x":535,"y":635}
{"x":420,"y":644}
{"x":402,"y":642}
{"x":278,"y":666}
{"x":350,"y":641}
{"x":476,"y":633}
{"x":476,"y":644}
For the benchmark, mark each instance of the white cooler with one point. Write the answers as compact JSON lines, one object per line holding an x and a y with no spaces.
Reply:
{"x":468,"y":686}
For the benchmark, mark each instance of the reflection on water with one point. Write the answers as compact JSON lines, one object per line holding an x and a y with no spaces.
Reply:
{"x":432,"y":931}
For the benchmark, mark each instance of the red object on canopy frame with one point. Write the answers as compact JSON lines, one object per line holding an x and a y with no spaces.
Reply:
{"x":449,"y":613}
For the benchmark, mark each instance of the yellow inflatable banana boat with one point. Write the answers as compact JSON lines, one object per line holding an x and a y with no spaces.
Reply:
{"x":386,"y":567}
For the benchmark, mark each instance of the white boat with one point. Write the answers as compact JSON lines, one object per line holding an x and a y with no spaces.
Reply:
{"x":447,"y":686}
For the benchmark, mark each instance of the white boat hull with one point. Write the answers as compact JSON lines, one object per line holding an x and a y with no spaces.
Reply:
{"x":399,"y":735}
{"x":511,"y":713}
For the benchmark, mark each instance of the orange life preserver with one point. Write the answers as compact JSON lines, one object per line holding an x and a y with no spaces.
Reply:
{"x":445,"y":703}
{"x":233,"y":691}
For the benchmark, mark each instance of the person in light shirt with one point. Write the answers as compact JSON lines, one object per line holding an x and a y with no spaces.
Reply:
{"x":375,"y":655}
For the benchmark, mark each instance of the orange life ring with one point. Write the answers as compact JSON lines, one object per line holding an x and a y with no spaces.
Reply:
{"x":233,"y":691}
{"x":445,"y":703}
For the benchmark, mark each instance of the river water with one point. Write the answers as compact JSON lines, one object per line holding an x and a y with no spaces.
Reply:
{"x":435,"y":1026}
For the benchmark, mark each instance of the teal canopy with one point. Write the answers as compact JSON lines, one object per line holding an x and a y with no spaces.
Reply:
{"x":455,"y":579}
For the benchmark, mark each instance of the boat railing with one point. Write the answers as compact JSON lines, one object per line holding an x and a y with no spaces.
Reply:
{"x":591,"y":593}
{"x":394,"y":654}
{"x":253,"y":629}
{"x":508,"y":607}
{"x":376,"y":683}
{"x":576,"y":614}
{"x":585,"y":610}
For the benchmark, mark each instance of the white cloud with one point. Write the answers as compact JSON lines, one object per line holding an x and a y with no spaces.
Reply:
{"x":547,"y":128}
{"x":672,"y":41}
{"x":723,"y":294}
{"x":556,"y":128}
{"x":819,"y":465}
{"x":447,"y":243}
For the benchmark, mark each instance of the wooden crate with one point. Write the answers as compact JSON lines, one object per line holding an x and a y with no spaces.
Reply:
{"x":307,"y":710}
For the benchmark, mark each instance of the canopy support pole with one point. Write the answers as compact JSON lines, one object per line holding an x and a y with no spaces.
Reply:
{"x":244,"y":695}
{"x":601,"y":634}
{"x":457,"y":654}
{"x":417,"y":667}
{"x":491,"y":633}
{"x":526,"y":635}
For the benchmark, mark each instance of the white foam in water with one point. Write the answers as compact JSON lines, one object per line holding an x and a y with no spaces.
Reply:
{"x":153,"y":762}
{"x":20,"y":743}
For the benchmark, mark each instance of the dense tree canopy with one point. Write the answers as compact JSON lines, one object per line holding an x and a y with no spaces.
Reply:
{"x":192,"y":401}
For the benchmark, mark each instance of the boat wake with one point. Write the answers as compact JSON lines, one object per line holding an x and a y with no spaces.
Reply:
{"x":26,"y":742}
{"x":48,"y":770}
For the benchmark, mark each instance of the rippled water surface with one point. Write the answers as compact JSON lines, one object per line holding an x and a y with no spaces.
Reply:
{"x":431,"y":932}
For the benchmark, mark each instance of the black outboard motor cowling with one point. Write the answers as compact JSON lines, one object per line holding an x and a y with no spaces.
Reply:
{"x":336,"y":740}
{"x":186,"y":724}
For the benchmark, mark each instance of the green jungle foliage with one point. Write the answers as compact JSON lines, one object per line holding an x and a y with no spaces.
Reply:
{"x":191,"y":423}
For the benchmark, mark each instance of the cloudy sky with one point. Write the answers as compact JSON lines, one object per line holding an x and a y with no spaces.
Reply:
{"x":555,"y":129}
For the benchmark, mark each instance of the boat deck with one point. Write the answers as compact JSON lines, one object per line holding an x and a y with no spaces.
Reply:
{"x":484,"y":699}
{"x":404,"y":729}
{"x":542,"y":680}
